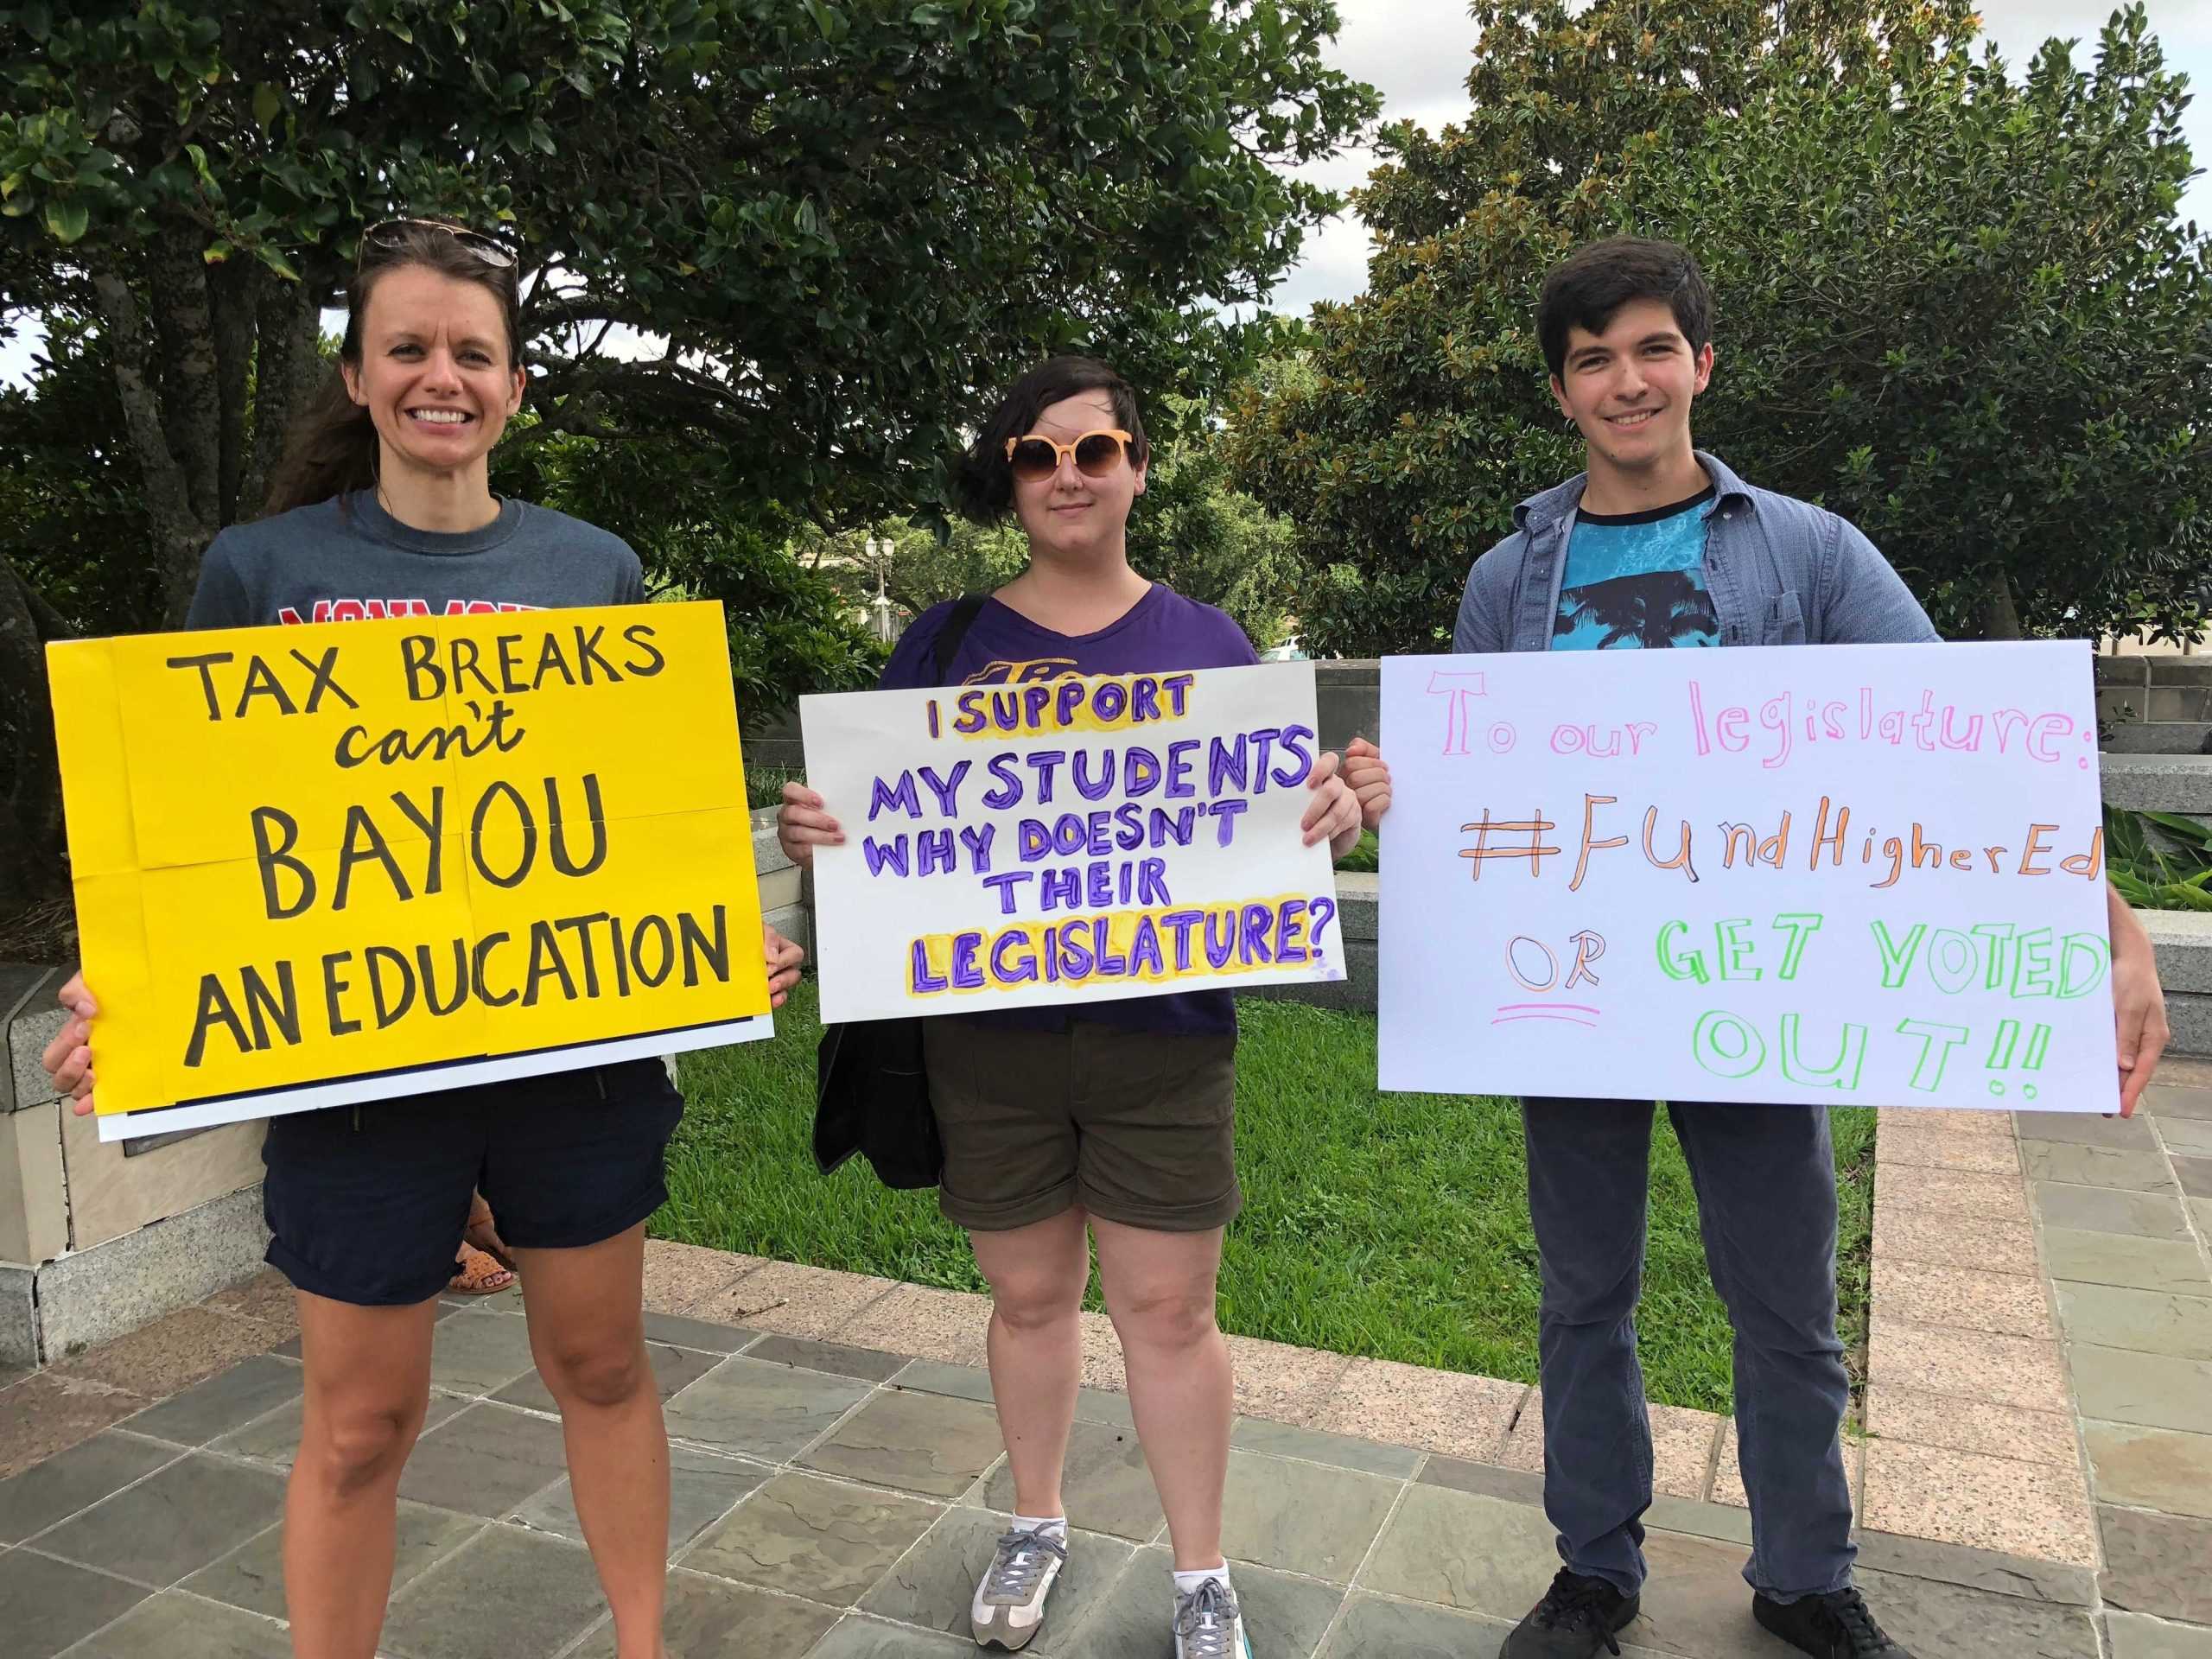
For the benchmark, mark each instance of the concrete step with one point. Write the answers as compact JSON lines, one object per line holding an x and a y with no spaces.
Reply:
{"x":2160,"y":783}
{"x":2189,"y":1017}
{"x":2152,"y":672}
{"x":2183,"y":939}
{"x":2159,"y":737}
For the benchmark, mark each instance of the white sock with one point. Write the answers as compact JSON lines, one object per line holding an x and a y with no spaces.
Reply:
{"x":1186,"y":1583}
{"x":1053,"y":1526}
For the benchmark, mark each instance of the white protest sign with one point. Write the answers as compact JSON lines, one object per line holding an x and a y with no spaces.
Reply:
{"x":1070,"y":840}
{"x":1864,"y":874}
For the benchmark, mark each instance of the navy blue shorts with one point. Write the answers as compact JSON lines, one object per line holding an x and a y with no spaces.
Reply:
{"x":367,"y":1204}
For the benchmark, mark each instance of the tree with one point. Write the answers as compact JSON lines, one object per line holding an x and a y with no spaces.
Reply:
{"x":839,"y":222}
{"x":791,"y":629}
{"x":69,"y":504}
{"x":1956,"y":307}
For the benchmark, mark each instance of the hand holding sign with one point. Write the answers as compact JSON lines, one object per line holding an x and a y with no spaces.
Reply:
{"x":1068,"y":840}
{"x":406,"y":854}
{"x":1842,"y":874}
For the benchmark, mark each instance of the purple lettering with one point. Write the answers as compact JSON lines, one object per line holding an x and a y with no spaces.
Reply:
{"x":1043,"y":763}
{"x":1028,"y":969}
{"x":966,"y":975}
{"x":1006,"y":883}
{"x":880,"y":855}
{"x":881,"y":799}
{"x":933,"y":851}
{"x":919,"y":980}
{"x":1140,"y":773}
{"x":1182,"y":921}
{"x":1009,"y":789}
{"x":947,"y":789}
{"x":1294,"y":739}
{"x":1258,"y":919}
{"x":1180,"y":786}
{"x":1091,"y":788}
{"x":1060,"y":889}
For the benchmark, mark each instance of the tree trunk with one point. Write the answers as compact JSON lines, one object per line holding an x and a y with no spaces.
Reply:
{"x":2001,"y":618}
{"x":231,"y":291}
{"x":287,"y":372}
{"x":190,"y":386}
{"x":180,"y":534}
{"x":30,"y":807}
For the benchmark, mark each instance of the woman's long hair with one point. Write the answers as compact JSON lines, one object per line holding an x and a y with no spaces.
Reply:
{"x":331,"y":450}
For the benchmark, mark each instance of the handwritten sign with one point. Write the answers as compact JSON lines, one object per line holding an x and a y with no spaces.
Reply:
{"x":1833,"y":876}
{"x":316,"y":866}
{"x":1072,"y":839}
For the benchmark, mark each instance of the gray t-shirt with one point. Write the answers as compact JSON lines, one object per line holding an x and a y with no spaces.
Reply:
{"x":346,"y":559}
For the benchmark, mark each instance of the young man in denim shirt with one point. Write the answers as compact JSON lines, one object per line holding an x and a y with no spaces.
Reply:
{"x":1659,"y":546}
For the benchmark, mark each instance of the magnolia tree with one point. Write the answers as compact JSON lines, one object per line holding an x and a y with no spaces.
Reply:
{"x":1955,"y":303}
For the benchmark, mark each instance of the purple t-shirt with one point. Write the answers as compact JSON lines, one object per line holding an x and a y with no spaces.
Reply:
{"x":1160,"y":633}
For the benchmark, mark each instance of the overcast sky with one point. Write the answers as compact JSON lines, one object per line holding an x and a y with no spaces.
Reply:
{"x":1416,"y":54}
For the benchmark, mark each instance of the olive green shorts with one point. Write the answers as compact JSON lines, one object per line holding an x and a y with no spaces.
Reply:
{"x":1135,"y":1126}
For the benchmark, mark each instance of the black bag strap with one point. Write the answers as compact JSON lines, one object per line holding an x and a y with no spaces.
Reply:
{"x":946,"y":645}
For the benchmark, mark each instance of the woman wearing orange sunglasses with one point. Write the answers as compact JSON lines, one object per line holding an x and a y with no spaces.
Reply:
{"x":1108,"y":1120}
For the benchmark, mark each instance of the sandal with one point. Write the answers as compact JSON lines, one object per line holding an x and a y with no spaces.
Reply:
{"x":478,"y":1273}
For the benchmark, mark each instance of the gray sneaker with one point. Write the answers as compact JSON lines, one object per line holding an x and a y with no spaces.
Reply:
{"x":1208,"y":1626}
{"x":1010,"y":1605}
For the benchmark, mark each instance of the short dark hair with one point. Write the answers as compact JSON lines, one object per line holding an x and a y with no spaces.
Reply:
{"x":983,"y":483}
{"x":1588,"y":289}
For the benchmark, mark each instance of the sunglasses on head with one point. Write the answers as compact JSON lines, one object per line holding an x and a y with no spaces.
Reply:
{"x":1037,"y":457}
{"x":389,"y":236}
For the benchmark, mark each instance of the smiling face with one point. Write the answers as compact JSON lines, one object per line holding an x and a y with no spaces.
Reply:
{"x":1071,"y":514}
{"x":436,"y":373}
{"x":1630,"y":389}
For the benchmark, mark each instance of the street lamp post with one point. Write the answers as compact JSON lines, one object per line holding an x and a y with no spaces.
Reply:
{"x":882,"y":621}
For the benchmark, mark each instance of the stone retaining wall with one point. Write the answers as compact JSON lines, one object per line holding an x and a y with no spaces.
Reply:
{"x":2155,"y":705}
{"x":2183,"y":941}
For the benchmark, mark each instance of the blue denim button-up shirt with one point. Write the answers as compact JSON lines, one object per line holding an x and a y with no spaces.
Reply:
{"x":1781,"y":571}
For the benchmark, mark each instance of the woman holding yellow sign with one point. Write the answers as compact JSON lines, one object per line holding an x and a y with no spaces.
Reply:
{"x":383,"y":509}
{"x":1108,"y":1119}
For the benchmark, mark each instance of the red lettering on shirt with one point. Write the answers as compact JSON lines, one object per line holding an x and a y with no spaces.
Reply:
{"x":360,"y":610}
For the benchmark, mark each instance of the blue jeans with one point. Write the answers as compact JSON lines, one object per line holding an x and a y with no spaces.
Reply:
{"x":1765,"y":1183}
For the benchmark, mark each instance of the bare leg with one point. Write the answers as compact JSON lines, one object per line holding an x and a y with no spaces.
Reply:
{"x":367,"y":1387}
{"x":587,"y":1332}
{"x":1160,"y":1290}
{"x":1037,"y":1275}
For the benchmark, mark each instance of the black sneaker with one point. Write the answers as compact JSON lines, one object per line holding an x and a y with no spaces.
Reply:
{"x":1576,"y":1617}
{"x":1833,"y":1626}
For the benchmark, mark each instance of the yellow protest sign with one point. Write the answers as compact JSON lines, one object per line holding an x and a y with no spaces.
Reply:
{"x":336,"y":863}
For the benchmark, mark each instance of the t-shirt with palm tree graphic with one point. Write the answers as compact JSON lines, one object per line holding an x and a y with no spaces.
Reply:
{"x":1637,"y":579}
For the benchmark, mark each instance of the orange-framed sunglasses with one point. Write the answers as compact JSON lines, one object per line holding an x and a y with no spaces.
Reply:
{"x":1037,"y":457}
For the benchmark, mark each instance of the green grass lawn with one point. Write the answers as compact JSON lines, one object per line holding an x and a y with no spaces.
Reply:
{"x":1382,"y":1224}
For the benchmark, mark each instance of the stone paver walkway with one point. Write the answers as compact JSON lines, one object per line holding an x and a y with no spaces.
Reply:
{"x":833,"y":1500}
{"x":1970,"y":1433}
{"x":2123,"y":1211}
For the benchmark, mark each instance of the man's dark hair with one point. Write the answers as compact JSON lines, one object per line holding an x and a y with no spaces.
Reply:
{"x":983,"y":484}
{"x":1588,"y":289}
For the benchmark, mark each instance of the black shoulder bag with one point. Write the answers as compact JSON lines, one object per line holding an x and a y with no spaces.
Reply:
{"x":871,"y":1093}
